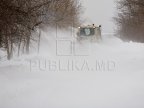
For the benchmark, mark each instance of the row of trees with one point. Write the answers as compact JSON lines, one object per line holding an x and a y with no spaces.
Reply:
{"x":130,"y":20}
{"x":19,"y":19}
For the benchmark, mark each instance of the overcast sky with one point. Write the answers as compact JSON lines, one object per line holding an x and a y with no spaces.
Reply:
{"x":100,"y":12}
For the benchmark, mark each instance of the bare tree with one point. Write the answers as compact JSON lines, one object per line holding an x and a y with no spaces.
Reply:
{"x":20,"y":18}
{"x":130,"y":20}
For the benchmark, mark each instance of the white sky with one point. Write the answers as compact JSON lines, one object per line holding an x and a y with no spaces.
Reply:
{"x":100,"y":12}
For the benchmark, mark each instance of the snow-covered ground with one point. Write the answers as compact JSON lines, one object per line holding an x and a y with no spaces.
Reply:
{"x":68,"y":74}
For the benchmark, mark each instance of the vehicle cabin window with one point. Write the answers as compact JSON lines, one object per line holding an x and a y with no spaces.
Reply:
{"x":87,"y":31}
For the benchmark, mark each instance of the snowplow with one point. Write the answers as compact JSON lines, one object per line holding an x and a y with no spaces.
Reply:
{"x":89,"y":32}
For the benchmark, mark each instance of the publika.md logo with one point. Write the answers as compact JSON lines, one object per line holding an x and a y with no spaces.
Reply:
{"x":68,"y":45}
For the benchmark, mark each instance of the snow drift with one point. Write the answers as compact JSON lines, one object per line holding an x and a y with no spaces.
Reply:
{"x":69,"y":74}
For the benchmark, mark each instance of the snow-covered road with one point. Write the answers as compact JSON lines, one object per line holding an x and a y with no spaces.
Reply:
{"x":107,"y":74}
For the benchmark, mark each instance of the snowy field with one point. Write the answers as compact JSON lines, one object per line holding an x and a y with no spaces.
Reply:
{"x":68,"y":74}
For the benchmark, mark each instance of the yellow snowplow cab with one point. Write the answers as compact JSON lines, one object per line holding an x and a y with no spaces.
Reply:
{"x":89,"y":32}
